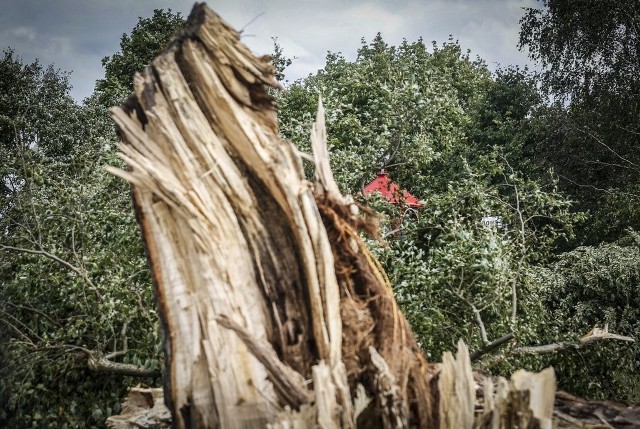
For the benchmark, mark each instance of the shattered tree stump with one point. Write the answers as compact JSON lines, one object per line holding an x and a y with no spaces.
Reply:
{"x":275,"y":314}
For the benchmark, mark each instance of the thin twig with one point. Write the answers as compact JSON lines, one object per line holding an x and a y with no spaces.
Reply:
{"x":584,"y":131}
{"x":523,"y":237}
{"x":41,"y":313}
{"x":122,"y":352}
{"x":18,"y":331}
{"x":476,"y":312}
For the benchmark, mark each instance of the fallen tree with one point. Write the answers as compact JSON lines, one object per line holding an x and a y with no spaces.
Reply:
{"x":275,"y":313}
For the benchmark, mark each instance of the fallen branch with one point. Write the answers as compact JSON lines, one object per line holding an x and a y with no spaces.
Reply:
{"x":489,"y":347}
{"x":100,"y":363}
{"x":476,"y":312}
{"x":96,"y":362}
{"x":583,"y":413}
{"x":595,"y":335}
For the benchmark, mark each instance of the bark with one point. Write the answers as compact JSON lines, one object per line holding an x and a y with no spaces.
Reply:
{"x":275,"y":313}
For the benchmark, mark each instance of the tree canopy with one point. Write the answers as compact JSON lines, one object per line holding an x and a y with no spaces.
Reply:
{"x":470,"y":144}
{"x":75,"y":285}
{"x":424,"y":116}
{"x":586,"y":48}
{"x":589,"y":53}
{"x":137,"y":49}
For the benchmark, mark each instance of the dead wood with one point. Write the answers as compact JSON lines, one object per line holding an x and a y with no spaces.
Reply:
{"x":248,"y":267}
{"x":592,"y":337}
{"x":142,"y":408}
{"x":574,"y":412}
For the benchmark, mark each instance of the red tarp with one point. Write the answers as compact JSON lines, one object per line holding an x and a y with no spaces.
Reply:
{"x":390,"y":191}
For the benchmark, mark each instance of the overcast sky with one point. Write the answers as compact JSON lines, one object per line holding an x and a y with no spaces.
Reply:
{"x":75,"y":35}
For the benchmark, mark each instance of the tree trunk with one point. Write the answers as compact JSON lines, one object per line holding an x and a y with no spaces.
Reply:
{"x":275,"y":313}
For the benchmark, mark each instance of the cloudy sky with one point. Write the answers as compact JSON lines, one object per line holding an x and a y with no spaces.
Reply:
{"x":75,"y":35}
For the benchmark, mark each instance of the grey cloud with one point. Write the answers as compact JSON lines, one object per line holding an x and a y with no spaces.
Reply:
{"x":77,"y":34}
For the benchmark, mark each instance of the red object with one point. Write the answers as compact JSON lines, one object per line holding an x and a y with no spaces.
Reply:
{"x":391,"y":192}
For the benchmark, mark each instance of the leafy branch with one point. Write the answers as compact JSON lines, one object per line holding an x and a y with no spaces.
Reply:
{"x":64,"y":263}
{"x":596,"y":335}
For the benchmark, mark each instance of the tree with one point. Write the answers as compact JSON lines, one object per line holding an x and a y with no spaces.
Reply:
{"x":452,"y":134}
{"x":32,"y":101}
{"x":590,"y":286}
{"x":279,"y":60}
{"x":586,"y":48}
{"x":504,"y":115}
{"x":36,"y":111}
{"x":75,"y":298}
{"x":597,"y":286}
{"x":137,"y":49}
{"x":590,"y":54}
{"x":399,"y":108}
{"x":77,"y":303}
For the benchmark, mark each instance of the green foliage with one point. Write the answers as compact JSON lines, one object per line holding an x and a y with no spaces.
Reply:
{"x":589,"y":286}
{"x":589,"y":54}
{"x":279,"y":60}
{"x":599,"y":285}
{"x":147,"y":39}
{"x":586,"y":47}
{"x":470,"y":144}
{"x":467,"y":142}
{"x":73,"y":271}
{"x":446,"y":263}
{"x":450,"y":133}
{"x":392,"y":107}
{"x":72,"y":267}
{"x":35,"y":107}
{"x":504,"y":116}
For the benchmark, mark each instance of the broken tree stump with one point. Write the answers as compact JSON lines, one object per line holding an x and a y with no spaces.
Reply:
{"x":257,"y":317}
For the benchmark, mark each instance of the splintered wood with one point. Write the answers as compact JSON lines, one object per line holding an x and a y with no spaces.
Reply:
{"x":274,"y":312}
{"x":242,"y":264}
{"x":471,"y":400}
